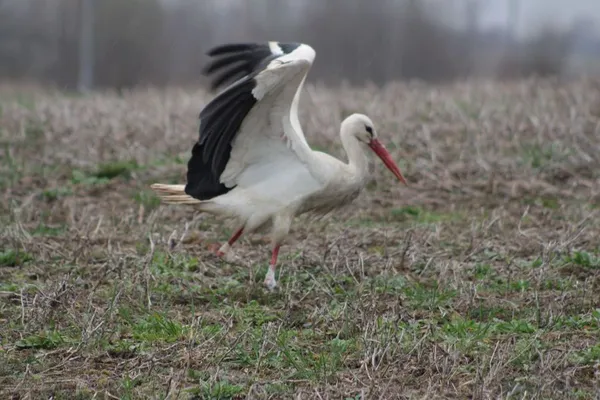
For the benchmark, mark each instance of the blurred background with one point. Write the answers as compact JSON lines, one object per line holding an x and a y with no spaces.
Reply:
{"x":83,"y":44}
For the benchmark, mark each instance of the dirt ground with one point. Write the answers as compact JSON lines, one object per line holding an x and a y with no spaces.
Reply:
{"x":481,"y":279}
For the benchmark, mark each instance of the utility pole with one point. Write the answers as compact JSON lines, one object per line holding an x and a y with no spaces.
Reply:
{"x":513,"y":17}
{"x":86,"y":46}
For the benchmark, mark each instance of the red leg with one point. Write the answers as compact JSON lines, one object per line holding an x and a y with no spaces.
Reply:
{"x":230,"y":242}
{"x":274,"y":255}
{"x":235,"y":236}
{"x":270,"y":277}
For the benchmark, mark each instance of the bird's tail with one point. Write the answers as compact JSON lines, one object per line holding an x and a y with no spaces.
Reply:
{"x":173,"y":194}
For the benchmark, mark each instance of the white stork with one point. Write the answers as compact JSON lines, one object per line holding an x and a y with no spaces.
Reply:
{"x":252,"y":162}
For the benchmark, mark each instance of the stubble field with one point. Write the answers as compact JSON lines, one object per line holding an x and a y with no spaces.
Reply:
{"x":481,"y":279}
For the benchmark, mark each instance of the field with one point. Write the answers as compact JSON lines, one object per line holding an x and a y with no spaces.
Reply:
{"x":481,"y":279}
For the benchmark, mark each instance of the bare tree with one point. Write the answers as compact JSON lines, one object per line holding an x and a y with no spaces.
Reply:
{"x":122,"y":43}
{"x":86,"y":46}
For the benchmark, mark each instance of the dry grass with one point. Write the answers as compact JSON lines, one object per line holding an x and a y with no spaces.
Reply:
{"x":480,"y":280}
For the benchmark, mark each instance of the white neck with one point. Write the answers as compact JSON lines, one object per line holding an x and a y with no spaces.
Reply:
{"x":357,"y":158}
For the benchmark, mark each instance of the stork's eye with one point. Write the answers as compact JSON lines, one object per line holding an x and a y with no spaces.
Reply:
{"x":369,"y":129}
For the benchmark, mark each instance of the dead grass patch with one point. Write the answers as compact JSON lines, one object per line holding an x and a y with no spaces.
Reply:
{"x":479,"y":280}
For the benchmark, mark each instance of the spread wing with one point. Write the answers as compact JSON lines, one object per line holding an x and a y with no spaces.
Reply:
{"x":251,"y":125}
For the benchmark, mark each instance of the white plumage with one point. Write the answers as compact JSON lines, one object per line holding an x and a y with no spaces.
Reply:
{"x":252,"y":161}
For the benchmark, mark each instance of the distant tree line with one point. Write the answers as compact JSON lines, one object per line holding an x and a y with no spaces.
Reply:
{"x":153,"y":42}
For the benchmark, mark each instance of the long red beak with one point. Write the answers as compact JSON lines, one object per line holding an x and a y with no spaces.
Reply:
{"x":385,"y":156}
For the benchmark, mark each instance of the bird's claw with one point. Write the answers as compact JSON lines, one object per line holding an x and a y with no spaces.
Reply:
{"x":270,"y":281}
{"x":222,"y":250}
{"x":270,"y":284}
{"x":226,"y":254}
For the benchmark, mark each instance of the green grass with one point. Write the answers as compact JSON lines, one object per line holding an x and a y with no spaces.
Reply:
{"x":48,"y":230}
{"x":420,"y":215}
{"x":57,"y":193}
{"x":104,"y":173}
{"x":588,"y":356}
{"x":538,"y":156}
{"x":47,"y":340}
{"x":14,"y":258}
{"x":155,"y":327}
{"x":85,"y":178}
{"x":216,"y":389}
{"x":115,"y":169}
{"x":583,"y":259}
{"x":147,"y":198}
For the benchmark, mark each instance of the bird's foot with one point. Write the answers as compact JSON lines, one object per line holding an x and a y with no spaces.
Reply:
{"x":224,"y":249}
{"x":214,"y":248}
{"x":219,"y":251}
{"x":270,"y":281}
{"x":225,"y":252}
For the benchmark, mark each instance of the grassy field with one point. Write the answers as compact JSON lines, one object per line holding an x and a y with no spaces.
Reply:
{"x":480,"y":280}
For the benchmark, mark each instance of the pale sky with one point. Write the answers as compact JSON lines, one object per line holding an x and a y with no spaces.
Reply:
{"x":494,"y":13}
{"x":533,"y":12}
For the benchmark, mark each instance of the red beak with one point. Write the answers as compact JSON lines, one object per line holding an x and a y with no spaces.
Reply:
{"x":382,"y":152}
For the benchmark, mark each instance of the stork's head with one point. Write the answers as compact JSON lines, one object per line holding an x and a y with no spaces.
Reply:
{"x":362,"y":128}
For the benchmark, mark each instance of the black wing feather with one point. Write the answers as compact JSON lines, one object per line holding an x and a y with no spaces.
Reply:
{"x":222,"y":123}
{"x":223,"y":149}
{"x":218,"y":111}
{"x":250,"y":56}
{"x":224,"y":61}
{"x":221,"y":119}
{"x":218,"y":121}
{"x":233,"y":48}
